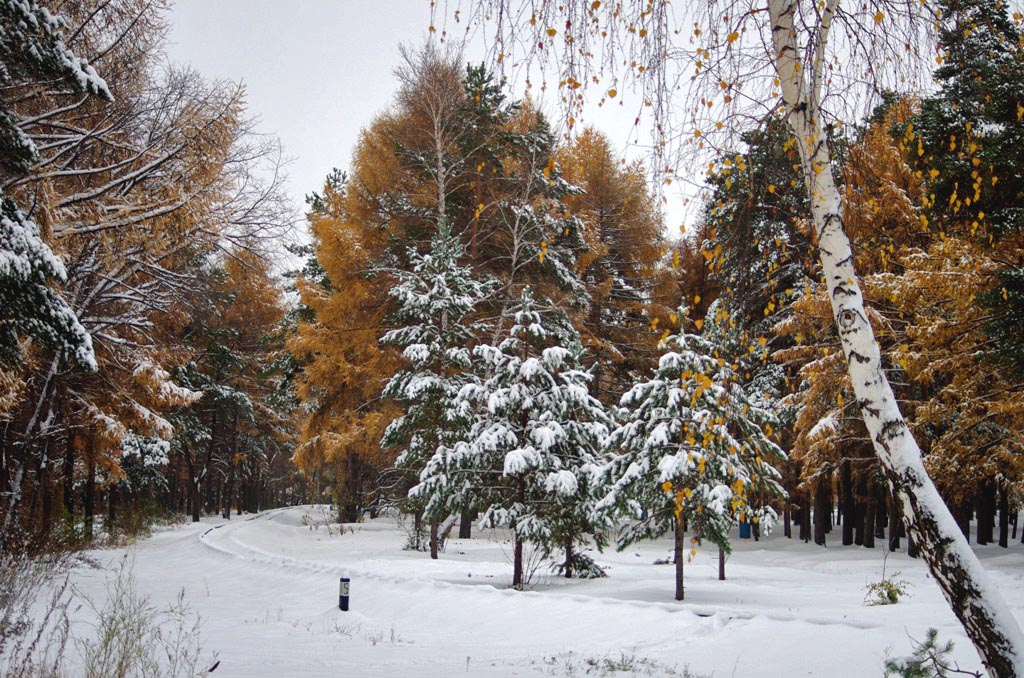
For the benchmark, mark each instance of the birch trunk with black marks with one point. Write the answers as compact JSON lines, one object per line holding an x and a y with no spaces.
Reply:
{"x":967,"y":588}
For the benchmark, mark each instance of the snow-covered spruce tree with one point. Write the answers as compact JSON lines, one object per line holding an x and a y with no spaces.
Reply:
{"x":32,"y":49}
{"x":28,"y":305}
{"x":530,"y":452}
{"x":435,"y":300}
{"x":694,"y":449}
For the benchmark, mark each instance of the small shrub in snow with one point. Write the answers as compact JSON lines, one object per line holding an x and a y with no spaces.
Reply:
{"x":930,"y":660}
{"x":134,"y":639}
{"x":887,"y":591}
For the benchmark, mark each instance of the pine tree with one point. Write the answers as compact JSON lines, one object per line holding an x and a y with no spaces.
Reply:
{"x":694,"y":448}
{"x":435,"y":301}
{"x":532,"y":444}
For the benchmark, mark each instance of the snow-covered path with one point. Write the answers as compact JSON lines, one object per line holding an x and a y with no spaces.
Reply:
{"x":266,"y":589}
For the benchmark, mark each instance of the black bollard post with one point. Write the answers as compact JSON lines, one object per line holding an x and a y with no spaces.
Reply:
{"x":343,"y":594}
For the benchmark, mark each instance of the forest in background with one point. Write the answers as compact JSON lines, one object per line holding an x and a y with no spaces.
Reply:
{"x":183,"y":380}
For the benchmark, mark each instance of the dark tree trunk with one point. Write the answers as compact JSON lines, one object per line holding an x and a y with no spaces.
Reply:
{"x":868,"y":519}
{"x":721,"y":564}
{"x":962,"y":515}
{"x":89,"y":496}
{"x":69,"y":477}
{"x":680,"y":544}
{"x":895,"y":525}
{"x":822,"y":509}
{"x":787,"y":528}
{"x":433,"y":539}
{"x":111,"y":508}
{"x":568,"y":558}
{"x":805,"y":519}
{"x":861,"y":522}
{"x":881,"y":515}
{"x":1004,"y":517}
{"x":847,"y":501}
{"x":466,"y":525}
{"x":517,"y":563}
{"x":986,"y":513}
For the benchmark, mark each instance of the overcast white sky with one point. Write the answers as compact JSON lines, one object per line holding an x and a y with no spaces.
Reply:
{"x":318,"y":71}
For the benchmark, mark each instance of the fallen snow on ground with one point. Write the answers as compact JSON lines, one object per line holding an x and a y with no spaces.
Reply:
{"x":266,"y":588}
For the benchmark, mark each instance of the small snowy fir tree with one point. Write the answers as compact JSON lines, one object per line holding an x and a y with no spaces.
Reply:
{"x":434,"y":299}
{"x":530,"y":453}
{"x":693,"y":449}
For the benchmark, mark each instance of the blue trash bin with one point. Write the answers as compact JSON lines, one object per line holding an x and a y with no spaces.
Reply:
{"x":744,"y":530}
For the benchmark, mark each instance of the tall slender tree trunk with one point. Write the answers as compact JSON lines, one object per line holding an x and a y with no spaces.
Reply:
{"x":433,"y":539}
{"x":868,"y":523}
{"x":1004,"y":517}
{"x":822,"y":508}
{"x":721,"y":564}
{"x":680,"y":546}
{"x":847,"y":500}
{"x":517,"y":562}
{"x":568,"y":558}
{"x":111,"y":508}
{"x":881,"y":513}
{"x":967,"y":588}
{"x":895,"y":526}
{"x":89,"y":494}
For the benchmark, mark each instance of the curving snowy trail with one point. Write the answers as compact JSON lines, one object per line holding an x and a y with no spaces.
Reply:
{"x":266,"y":589}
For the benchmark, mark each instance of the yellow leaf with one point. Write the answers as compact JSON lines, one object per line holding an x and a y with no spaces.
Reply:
{"x":552,"y":32}
{"x":667,"y":486}
{"x":732,"y":37}
{"x":879,"y":16}
{"x":699,"y":323}
{"x":612,"y":92}
{"x":771,"y":188}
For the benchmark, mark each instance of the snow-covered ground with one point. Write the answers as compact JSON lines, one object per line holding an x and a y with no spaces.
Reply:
{"x":266,"y":588}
